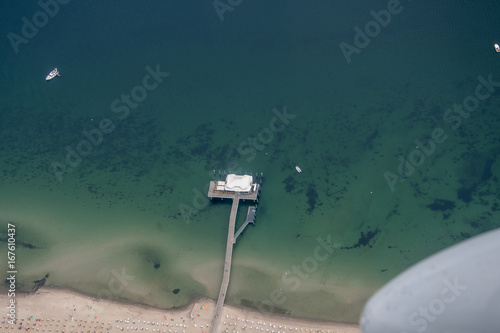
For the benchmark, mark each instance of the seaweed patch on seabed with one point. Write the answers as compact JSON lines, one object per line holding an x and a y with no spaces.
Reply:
{"x":312,"y":197}
{"x":27,"y":245}
{"x":39,"y":283}
{"x":442,"y":205}
{"x":262,"y":307}
{"x":364,"y":239}
{"x":476,"y":170}
{"x":3,"y":238}
{"x":482,"y":223}
{"x":290,"y":184}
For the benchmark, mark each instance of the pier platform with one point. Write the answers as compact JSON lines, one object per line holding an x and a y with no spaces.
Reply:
{"x":215,"y":191}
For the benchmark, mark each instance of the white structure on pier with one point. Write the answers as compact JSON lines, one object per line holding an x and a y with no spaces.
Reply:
{"x":237,"y":184}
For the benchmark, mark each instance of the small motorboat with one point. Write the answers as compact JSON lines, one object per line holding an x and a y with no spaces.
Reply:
{"x":497,"y":47}
{"x":53,"y":74}
{"x":299,"y":170}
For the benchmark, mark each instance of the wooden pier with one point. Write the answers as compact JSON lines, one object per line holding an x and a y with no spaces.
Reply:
{"x":250,"y":219}
{"x":216,"y":192}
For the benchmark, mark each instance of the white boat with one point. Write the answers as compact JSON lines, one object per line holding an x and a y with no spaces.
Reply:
{"x":53,"y":74}
{"x":497,"y":47}
{"x":299,"y":170}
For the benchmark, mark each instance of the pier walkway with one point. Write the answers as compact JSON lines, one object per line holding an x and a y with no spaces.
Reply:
{"x":250,"y":219}
{"x":227,"y":264}
{"x":214,"y":192}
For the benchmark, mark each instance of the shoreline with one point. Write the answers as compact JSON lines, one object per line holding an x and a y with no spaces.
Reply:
{"x":70,"y":311}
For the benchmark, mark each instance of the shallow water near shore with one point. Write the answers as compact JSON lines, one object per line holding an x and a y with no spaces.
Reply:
{"x":128,"y":218}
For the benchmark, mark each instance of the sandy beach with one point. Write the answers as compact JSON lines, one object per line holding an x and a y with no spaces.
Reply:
{"x":58,"y":310}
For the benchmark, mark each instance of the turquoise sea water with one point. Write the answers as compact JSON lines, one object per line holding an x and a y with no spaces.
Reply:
{"x":128,"y":218}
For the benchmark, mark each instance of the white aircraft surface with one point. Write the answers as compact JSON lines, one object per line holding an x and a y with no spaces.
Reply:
{"x":456,"y":290}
